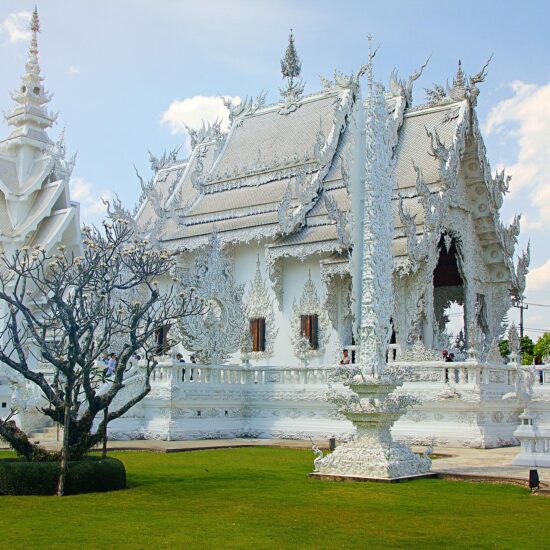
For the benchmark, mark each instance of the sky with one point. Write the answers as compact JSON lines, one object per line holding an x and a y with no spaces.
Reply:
{"x":128,"y":74}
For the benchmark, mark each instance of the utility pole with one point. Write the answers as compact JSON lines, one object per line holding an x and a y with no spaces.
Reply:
{"x":517,"y":302}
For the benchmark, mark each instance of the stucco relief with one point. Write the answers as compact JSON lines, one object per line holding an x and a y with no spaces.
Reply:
{"x":309,"y":304}
{"x":216,"y":334}
{"x":259,"y":304}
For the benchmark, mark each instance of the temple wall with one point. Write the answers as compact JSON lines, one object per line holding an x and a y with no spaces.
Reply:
{"x":465,"y":405}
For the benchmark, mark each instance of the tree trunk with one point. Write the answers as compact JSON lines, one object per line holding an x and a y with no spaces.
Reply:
{"x":65,"y":447}
{"x":20,"y":443}
{"x":105,"y":415}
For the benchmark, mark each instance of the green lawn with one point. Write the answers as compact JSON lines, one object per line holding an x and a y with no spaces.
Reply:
{"x":262,"y":498}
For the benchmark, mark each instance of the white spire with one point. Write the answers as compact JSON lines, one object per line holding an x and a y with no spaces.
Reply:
{"x":29,"y":115}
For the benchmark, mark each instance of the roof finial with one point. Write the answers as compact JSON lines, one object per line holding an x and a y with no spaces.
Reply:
{"x":459,"y":80}
{"x":31,"y":92}
{"x":35,"y":21}
{"x":370,"y":64}
{"x":291,"y":66}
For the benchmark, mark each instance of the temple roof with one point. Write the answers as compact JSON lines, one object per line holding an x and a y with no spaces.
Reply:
{"x":265,"y":153}
{"x":280,"y":174}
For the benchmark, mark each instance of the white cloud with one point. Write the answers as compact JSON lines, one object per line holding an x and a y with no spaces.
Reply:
{"x":16,"y":25}
{"x":525,"y":119}
{"x":538,"y":279}
{"x":72,"y":70}
{"x":92,"y":209}
{"x":194,"y":110}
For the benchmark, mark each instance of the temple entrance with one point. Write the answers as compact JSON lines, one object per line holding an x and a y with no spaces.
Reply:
{"x":448,"y":297}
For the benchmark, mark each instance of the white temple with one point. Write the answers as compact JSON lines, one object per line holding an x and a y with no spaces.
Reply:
{"x":260,"y":219}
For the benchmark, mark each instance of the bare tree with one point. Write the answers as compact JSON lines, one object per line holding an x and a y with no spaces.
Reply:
{"x":66,"y":311}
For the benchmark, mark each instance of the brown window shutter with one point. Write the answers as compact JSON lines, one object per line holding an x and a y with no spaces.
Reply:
{"x":313,"y":335}
{"x":254,"y":333}
{"x":261,"y":334}
{"x":304,"y":321}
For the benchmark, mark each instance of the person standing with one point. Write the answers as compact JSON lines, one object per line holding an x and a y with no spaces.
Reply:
{"x":111,"y":365}
{"x":345,"y":358}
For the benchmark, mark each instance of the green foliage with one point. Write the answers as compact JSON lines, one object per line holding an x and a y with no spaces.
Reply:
{"x":504,"y":348}
{"x":20,"y":477}
{"x":526,"y":345}
{"x":526,"y":348}
{"x":542,"y":347}
{"x":262,"y":498}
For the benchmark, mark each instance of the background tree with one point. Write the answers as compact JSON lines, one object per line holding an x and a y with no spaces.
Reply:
{"x":66,"y":312}
{"x":526,"y":349}
{"x":541,"y":349}
{"x":504,"y":348}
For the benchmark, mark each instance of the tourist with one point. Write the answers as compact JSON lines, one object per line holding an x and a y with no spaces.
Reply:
{"x":445,"y":354}
{"x":450,"y":358}
{"x":111,"y":365}
{"x":180,"y":359}
{"x":346,"y":358}
{"x":193,"y":359}
{"x":103,"y":364}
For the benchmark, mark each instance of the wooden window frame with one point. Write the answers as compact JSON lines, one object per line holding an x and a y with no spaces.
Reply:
{"x":309,"y":327}
{"x":257,"y":331}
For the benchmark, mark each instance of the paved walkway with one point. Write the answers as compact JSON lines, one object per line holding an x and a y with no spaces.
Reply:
{"x":473,"y":464}
{"x":487,"y":463}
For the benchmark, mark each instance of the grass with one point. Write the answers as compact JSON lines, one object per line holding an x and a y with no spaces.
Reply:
{"x":262,"y":498}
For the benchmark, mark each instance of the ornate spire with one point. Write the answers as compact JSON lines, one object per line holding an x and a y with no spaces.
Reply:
{"x":370,"y":65}
{"x":459,"y":77}
{"x":458,"y":91}
{"x":291,"y":68}
{"x":29,"y":115}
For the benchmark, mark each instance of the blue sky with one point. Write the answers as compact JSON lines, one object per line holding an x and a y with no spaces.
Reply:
{"x":116,"y":67}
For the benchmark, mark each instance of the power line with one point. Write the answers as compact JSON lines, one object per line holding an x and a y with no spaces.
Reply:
{"x":537,"y":329}
{"x":538,"y":305}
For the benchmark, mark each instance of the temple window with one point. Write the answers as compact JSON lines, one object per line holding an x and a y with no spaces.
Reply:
{"x":448,"y":296}
{"x":161,"y":338}
{"x":257,"y":331}
{"x":309,"y":327}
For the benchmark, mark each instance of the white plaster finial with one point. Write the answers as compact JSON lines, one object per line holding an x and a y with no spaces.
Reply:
{"x":35,"y":21}
{"x":31,"y":95}
{"x":291,"y":68}
{"x":368,"y":66}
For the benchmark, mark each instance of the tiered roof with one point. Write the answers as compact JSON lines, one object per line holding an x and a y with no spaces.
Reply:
{"x":35,"y":206}
{"x":281,"y":174}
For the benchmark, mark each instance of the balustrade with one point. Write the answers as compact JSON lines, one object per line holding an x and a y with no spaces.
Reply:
{"x":169,"y":372}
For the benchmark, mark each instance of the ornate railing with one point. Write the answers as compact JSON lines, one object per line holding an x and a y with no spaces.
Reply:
{"x":169,"y":372}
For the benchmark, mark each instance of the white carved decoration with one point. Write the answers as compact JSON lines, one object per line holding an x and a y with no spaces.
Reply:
{"x":275,"y":273}
{"x":259,"y":304}
{"x":309,"y":304}
{"x":217,"y":334}
{"x":372,"y":407}
{"x":377,"y":259}
{"x":418,"y":352}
